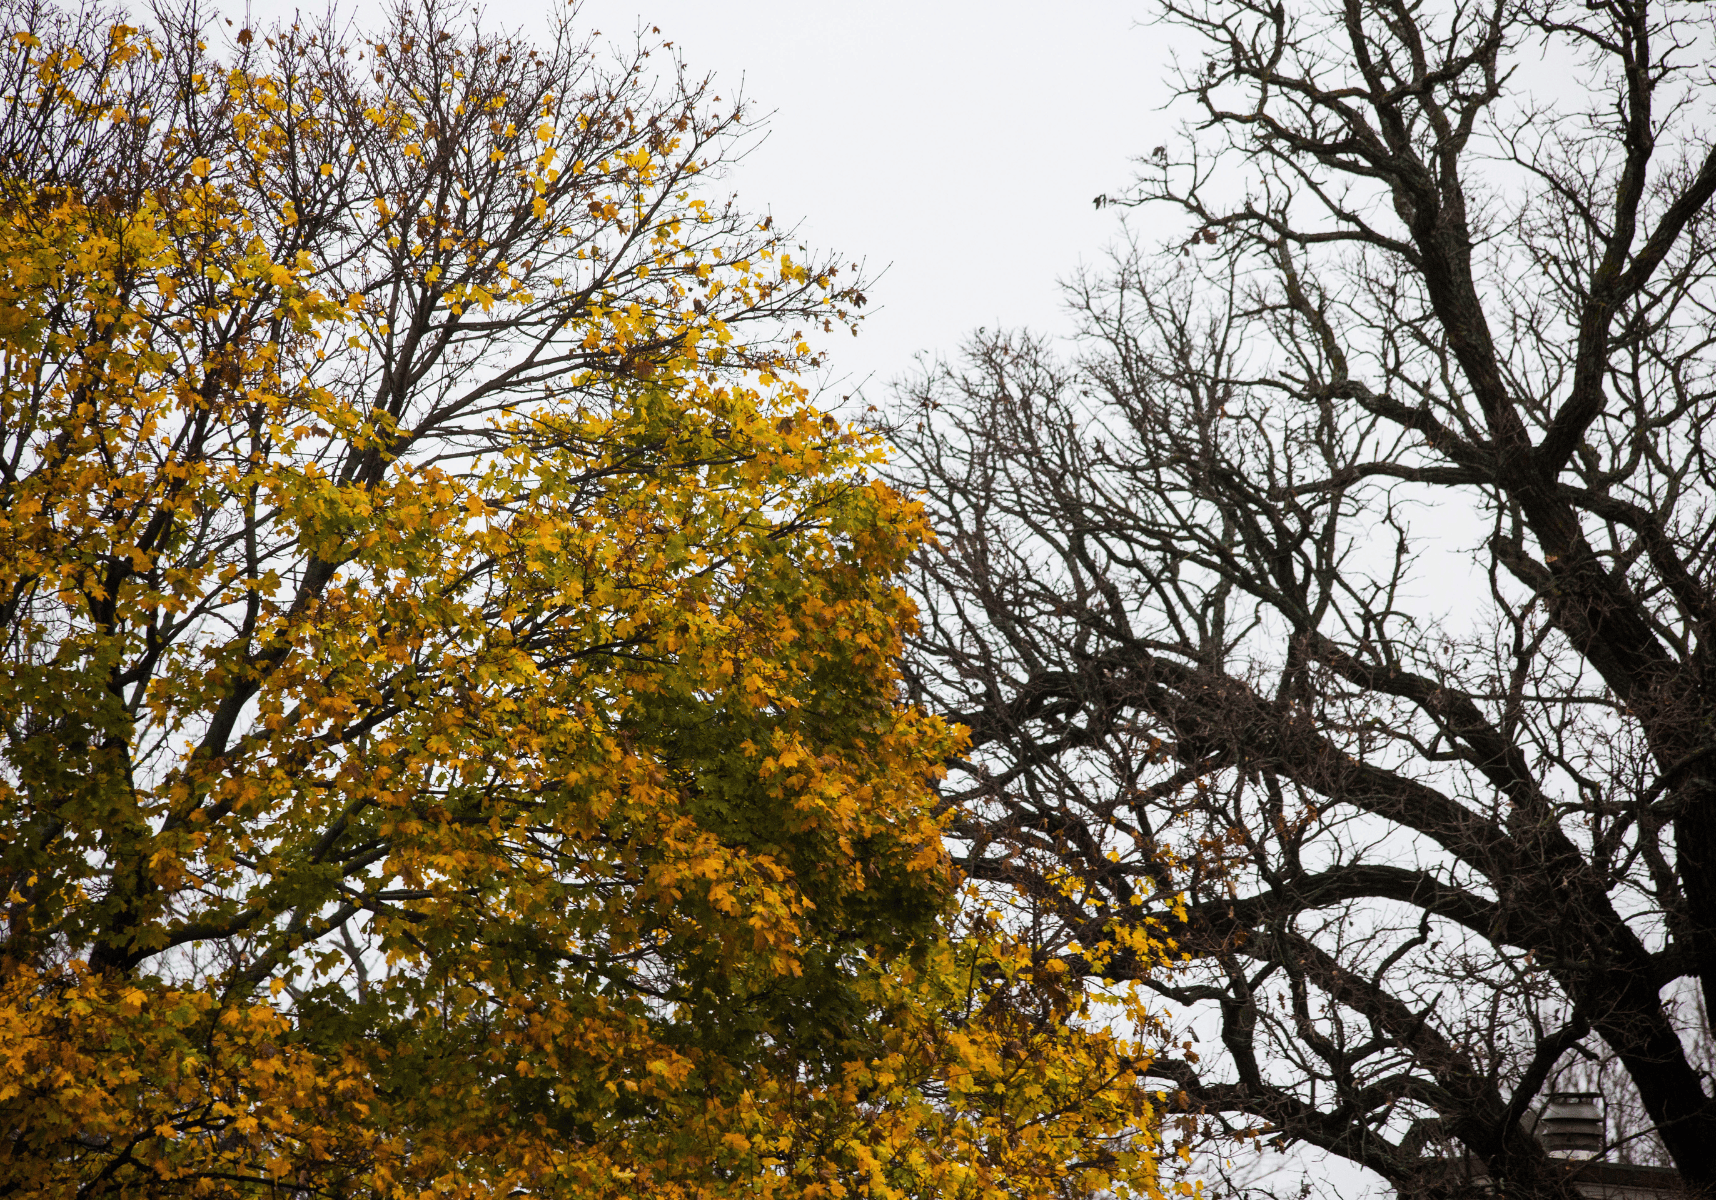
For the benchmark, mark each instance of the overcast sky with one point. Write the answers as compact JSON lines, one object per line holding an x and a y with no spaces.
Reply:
{"x":954,"y":147}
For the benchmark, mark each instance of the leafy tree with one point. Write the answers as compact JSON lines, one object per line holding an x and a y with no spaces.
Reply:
{"x":452,"y":737}
{"x":1354,"y":576}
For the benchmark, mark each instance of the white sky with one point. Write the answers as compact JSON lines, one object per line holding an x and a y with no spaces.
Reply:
{"x":958,"y":145}
{"x":952,"y":147}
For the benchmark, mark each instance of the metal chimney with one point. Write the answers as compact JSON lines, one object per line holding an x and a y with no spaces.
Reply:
{"x":1571,"y":1124}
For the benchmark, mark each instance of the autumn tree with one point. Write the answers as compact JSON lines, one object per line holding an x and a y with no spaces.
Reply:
{"x":1353,"y":576}
{"x":452,"y":742}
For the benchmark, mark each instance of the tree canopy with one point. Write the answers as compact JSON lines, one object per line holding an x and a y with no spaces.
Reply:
{"x":452,"y":740}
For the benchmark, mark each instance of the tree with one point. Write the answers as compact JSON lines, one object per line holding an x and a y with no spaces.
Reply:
{"x":1354,"y":579}
{"x":452,"y":736}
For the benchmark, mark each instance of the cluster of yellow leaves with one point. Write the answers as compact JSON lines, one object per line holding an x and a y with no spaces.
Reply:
{"x":954,"y":1087}
{"x":86,"y":1064}
{"x":441,"y":776}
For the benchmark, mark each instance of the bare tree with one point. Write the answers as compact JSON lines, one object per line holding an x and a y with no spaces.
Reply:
{"x":1352,"y":578}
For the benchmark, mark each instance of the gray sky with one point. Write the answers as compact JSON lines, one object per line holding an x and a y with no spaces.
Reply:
{"x":953,"y":147}
{"x":958,"y":145}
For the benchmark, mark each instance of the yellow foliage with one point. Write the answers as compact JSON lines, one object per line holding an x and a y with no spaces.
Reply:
{"x":454,"y":744}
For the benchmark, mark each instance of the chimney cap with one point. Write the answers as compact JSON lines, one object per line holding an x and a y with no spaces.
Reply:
{"x":1570,"y":1124}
